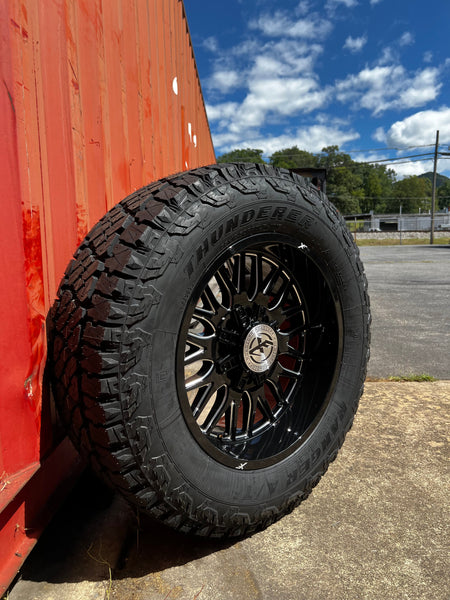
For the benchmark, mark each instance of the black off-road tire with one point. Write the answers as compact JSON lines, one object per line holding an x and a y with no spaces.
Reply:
{"x":209,"y":344}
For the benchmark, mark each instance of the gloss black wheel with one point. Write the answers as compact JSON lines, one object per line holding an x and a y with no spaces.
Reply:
{"x":209,"y":343}
{"x":260,"y":328}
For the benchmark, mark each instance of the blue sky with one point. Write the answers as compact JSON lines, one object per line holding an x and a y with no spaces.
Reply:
{"x":372,"y":76}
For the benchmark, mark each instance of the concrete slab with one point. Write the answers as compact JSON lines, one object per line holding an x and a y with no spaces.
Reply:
{"x":375,"y":527}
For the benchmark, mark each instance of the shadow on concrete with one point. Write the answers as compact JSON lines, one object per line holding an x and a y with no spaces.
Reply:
{"x":153,"y":547}
{"x":96,"y":530}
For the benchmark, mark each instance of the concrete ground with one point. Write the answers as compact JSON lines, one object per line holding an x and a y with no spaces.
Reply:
{"x":375,"y":527}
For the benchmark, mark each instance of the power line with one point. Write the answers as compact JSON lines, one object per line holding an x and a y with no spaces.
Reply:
{"x":391,"y":148}
{"x":386,"y":162}
{"x":375,"y":199}
{"x":381,"y":160}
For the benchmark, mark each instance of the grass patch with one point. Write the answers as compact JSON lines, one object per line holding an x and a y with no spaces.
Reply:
{"x":396,"y":241}
{"x":401,"y":378}
{"x":358,"y":225}
{"x":413,"y":377}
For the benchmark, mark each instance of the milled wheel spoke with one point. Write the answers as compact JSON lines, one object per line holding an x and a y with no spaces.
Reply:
{"x":283,"y":395}
{"x":239,"y":272}
{"x":291,"y":373}
{"x":226,"y":285}
{"x":294,"y":313}
{"x":280,"y":295}
{"x":200,"y":345}
{"x":271,"y":280}
{"x":193,"y":354}
{"x":202,"y":324}
{"x":200,"y":378}
{"x":248,"y":414}
{"x":217,"y":411}
{"x":275,"y":390}
{"x":294,"y":353}
{"x":231,"y":416}
{"x":201,"y":399}
{"x":209,"y":299}
{"x":256,"y":276}
{"x":283,"y":371}
{"x":264,"y":407}
{"x":294,"y":328}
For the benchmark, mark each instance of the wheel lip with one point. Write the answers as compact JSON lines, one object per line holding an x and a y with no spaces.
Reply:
{"x":203,"y":279}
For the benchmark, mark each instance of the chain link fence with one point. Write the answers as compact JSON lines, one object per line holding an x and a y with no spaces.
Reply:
{"x":398,"y":222}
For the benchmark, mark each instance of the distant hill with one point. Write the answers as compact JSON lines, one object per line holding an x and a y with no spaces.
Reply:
{"x":440,"y":179}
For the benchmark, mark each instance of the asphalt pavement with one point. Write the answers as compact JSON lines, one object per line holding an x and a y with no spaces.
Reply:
{"x":375,"y":527}
{"x":409,"y":288}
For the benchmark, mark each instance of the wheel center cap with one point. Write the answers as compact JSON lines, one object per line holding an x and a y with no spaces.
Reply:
{"x":260,"y":348}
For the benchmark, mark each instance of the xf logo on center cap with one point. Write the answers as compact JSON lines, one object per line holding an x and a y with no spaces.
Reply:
{"x":260,"y":348}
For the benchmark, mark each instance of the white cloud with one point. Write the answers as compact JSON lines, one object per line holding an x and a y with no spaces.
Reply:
{"x":427,"y":56}
{"x":281,"y":24}
{"x":303,"y":9}
{"x":420,"y":129}
{"x":379,"y":135}
{"x":332,"y":4}
{"x":312,"y":139}
{"x":224,"y":80}
{"x":373,"y":2}
{"x":421,"y":166}
{"x":401,"y":168}
{"x":211,"y":44}
{"x":355,"y":44}
{"x":285,"y":95}
{"x":422,"y":88}
{"x":276,"y":78}
{"x":225,"y":110}
{"x":389,"y":87}
{"x":407,"y":169}
{"x":406,"y":39}
{"x":408,"y":135}
{"x":268,"y":97}
{"x":387,"y":57}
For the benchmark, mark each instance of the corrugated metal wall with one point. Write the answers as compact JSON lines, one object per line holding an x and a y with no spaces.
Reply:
{"x":97,"y":99}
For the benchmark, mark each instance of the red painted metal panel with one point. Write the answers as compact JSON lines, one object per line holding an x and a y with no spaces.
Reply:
{"x":97,"y":99}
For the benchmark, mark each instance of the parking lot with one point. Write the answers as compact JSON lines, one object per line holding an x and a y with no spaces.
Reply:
{"x":409,"y":287}
{"x":375,"y":527}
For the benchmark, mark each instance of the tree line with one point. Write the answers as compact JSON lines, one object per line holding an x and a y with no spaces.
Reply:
{"x":356,"y":187}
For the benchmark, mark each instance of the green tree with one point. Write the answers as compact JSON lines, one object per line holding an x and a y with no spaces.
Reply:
{"x":377,"y":182}
{"x":443,"y":195}
{"x":243,"y":155}
{"x":293,"y":158}
{"x":344,"y":184}
{"x":412,"y":193}
{"x":331,"y":158}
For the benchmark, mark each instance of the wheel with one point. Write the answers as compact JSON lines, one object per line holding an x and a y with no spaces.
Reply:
{"x":209,"y":344}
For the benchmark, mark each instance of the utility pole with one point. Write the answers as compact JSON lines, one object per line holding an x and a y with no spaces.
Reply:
{"x":433,"y":194}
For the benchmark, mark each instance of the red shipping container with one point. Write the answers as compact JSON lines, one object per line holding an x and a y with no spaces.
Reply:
{"x":97,"y":99}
